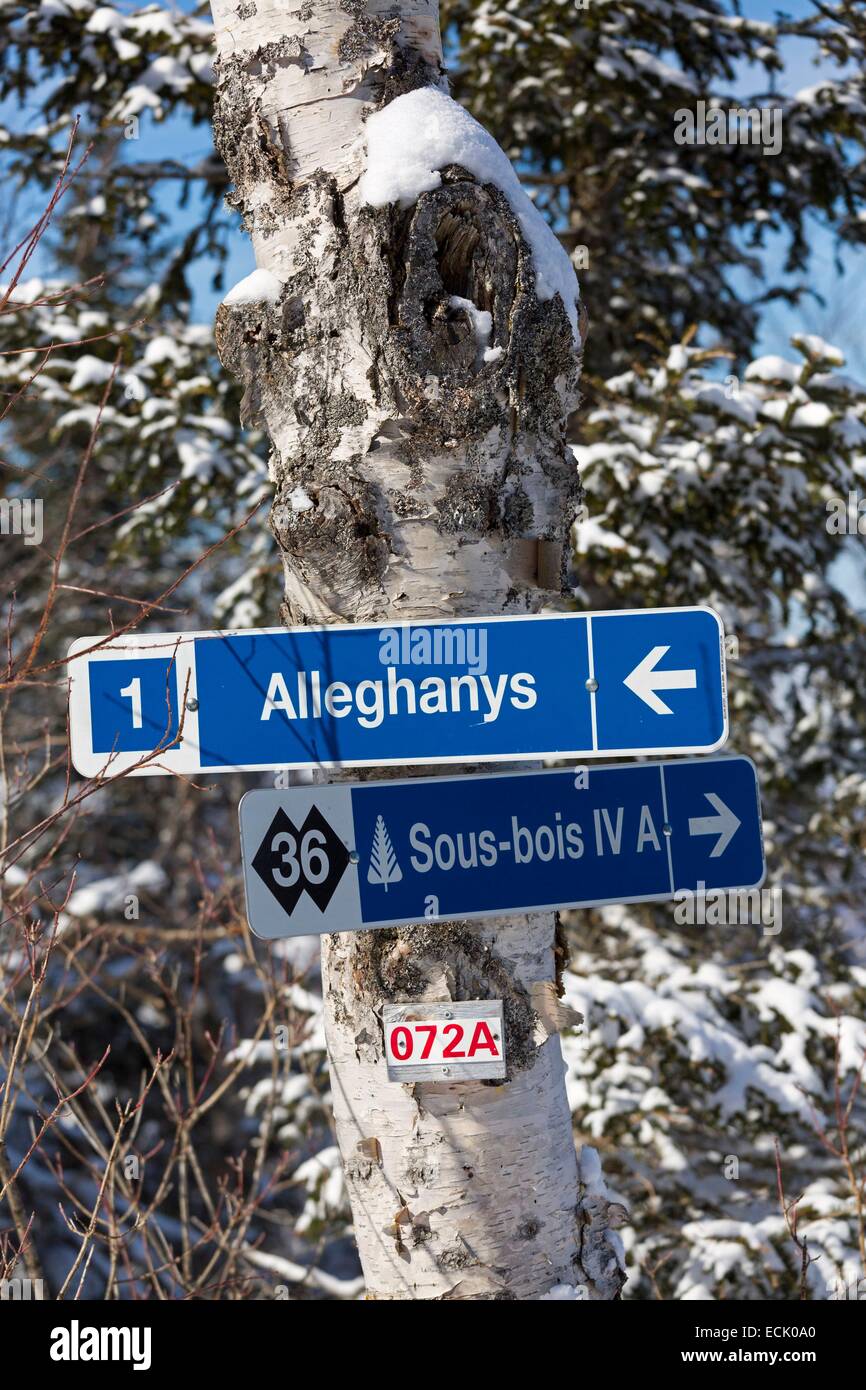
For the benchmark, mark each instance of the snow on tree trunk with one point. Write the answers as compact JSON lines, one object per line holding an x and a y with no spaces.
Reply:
{"x":404,"y":345}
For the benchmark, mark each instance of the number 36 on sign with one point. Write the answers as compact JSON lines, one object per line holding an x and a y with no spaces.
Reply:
{"x":445,"y":1042}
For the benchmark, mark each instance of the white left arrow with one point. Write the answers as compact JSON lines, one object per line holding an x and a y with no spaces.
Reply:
{"x":645,"y":680}
{"x":725,"y":824}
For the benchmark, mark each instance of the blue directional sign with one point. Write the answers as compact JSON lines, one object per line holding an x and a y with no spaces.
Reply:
{"x":533,"y":686}
{"x":345,"y":857}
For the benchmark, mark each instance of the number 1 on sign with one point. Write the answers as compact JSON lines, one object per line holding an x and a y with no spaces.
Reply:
{"x":133,"y":691}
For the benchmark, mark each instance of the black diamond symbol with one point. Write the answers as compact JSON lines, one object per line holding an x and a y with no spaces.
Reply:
{"x":290,"y":861}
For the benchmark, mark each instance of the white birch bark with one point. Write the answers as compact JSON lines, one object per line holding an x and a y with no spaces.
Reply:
{"x":441,"y":486}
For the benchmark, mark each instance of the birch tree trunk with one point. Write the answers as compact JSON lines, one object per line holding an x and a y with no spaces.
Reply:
{"x":440,"y":485}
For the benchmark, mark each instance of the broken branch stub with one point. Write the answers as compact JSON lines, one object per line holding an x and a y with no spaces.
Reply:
{"x":383,"y":410}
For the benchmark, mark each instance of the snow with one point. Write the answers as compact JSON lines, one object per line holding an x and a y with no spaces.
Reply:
{"x":814,"y":416}
{"x":138,"y":98}
{"x":672,"y":997}
{"x":103,"y":20}
{"x":250,"y":1052}
{"x":851,"y":430}
{"x":417,"y":135}
{"x":86,"y":415}
{"x":299,"y":501}
{"x":26,"y":291}
{"x":322,"y":1175}
{"x":167,"y":72}
{"x":590,"y":1172}
{"x":196,"y":454}
{"x":651,"y":66}
{"x":202,"y":65}
{"x":154,"y":20}
{"x":677,"y":359}
{"x":260,"y":287}
{"x":773,"y":368}
{"x":591,"y":536}
{"x":125,"y":50}
{"x":90,"y":371}
{"x":110,"y":894}
{"x":238,"y":602}
{"x":481,"y":320}
{"x":482,"y":325}
{"x":817,"y":347}
{"x":745,"y":406}
{"x":162,"y":349}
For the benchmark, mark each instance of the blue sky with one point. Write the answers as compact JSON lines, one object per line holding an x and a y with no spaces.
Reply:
{"x":838,"y":320}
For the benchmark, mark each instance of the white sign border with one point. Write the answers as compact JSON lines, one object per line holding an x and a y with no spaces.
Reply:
{"x":184,"y":759}
{"x":334,"y":801}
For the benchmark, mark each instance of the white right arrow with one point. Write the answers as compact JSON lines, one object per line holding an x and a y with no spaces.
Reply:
{"x":725,"y":824}
{"x":645,"y":680}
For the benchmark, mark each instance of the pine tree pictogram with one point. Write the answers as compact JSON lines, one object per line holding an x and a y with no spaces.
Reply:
{"x":384,"y":868}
